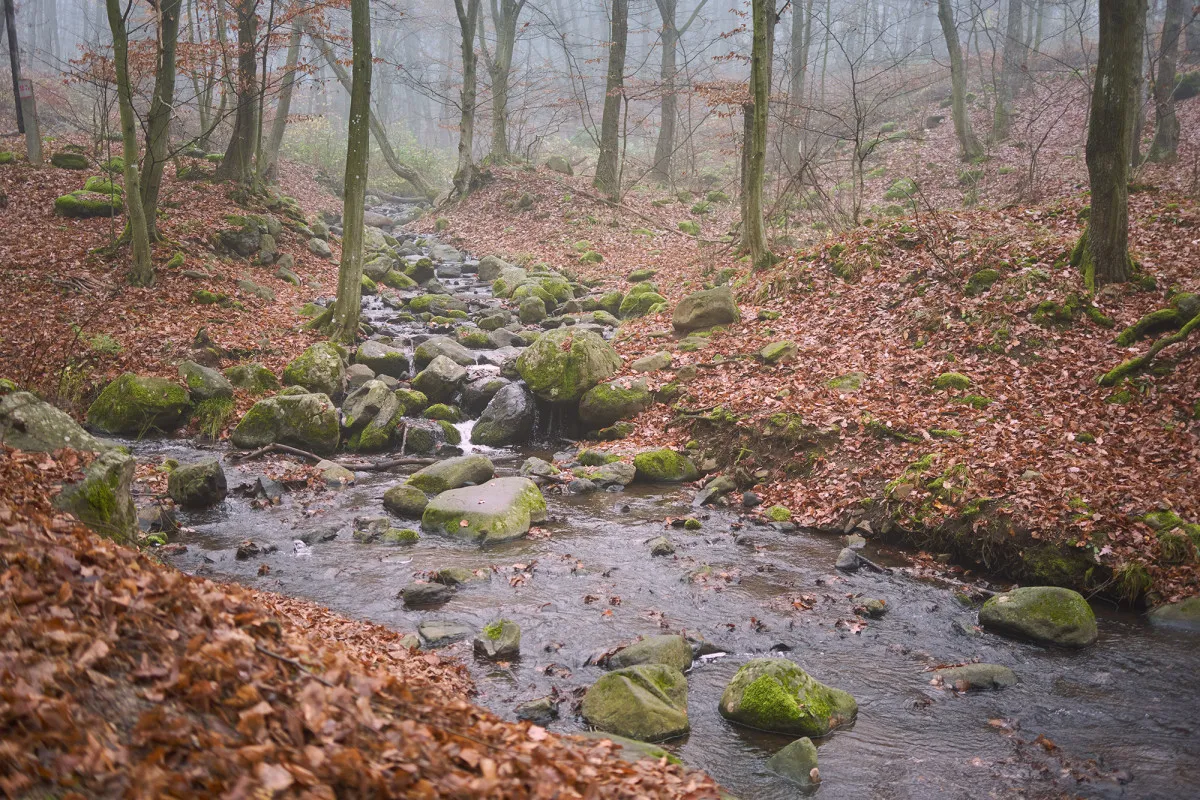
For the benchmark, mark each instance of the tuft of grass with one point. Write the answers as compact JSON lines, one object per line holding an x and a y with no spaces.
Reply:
{"x":212,"y":416}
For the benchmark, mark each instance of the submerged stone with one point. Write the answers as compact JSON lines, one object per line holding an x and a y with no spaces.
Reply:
{"x":647,"y":702}
{"x":1043,"y":614}
{"x":774,"y":694}
{"x":501,"y":509}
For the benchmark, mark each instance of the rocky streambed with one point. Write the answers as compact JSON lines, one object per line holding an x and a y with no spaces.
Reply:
{"x":541,"y":566}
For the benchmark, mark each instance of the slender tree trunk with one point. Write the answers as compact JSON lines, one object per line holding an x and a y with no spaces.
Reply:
{"x":464,"y":174}
{"x":141,"y":271}
{"x":607,"y":167}
{"x":358,"y":146}
{"x":1102,"y":253}
{"x":505,"y":14}
{"x":240,"y":153}
{"x":260,"y":167}
{"x":14,"y":57}
{"x":664,"y":148}
{"x":158,"y":122}
{"x":1010,"y":71}
{"x":754,"y":229}
{"x":284,"y":106}
{"x":1192,"y":38}
{"x":1166,"y":124}
{"x":970,"y":146}
{"x":798,"y":65}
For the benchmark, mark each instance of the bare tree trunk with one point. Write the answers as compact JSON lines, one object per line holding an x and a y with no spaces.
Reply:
{"x":238,"y":156}
{"x":798,"y":67}
{"x":1010,"y":72}
{"x":284,"y":106}
{"x":346,"y":309}
{"x":158,"y":122}
{"x":754,"y":229}
{"x":141,"y":271}
{"x":1166,"y":130}
{"x":505,"y":14}
{"x":1102,"y":253}
{"x":464,"y":174}
{"x":664,"y":148}
{"x":607,"y":169}
{"x":971,"y":148}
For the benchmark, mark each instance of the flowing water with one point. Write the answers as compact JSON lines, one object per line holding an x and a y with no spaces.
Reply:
{"x":1116,"y":720}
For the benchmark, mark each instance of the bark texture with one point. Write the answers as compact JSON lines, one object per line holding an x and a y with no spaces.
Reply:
{"x":468,"y":20}
{"x":607,"y":165}
{"x":968,"y":144}
{"x":240,"y":153}
{"x":1166,"y":124}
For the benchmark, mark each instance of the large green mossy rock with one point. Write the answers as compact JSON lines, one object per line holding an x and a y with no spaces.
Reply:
{"x":405,"y":501}
{"x":319,"y":369}
{"x":197,"y":485}
{"x":671,"y":650}
{"x":705,"y":309}
{"x":382,"y":359}
{"x":205,"y":383}
{"x":496,"y":511}
{"x":647,"y":702}
{"x":664,"y":465}
{"x":254,"y":378}
{"x":564,"y":363}
{"x":1043,"y":614}
{"x":453,"y":473}
{"x":774,"y":694}
{"x":103,"y":499}
{"x":28,"y":423}
{"x":84,"y":205}
{"x":639,"y":304}
{"x":307,"y":421}
{"x":606,"y":403}
{"x":69,"y":160}
{"x":134,"y":404}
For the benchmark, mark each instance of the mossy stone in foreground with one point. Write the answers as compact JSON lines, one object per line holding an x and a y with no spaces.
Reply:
{"x":1043,"y":614}
{"x":83,"y":205}
{"x":453,"y":473}
{"x":774,"y":694}
{"x":797,"y":762}
{"x":405,"y":501}
{"x":103,"y":500}
{"x":952,"y":380}
{"x":197,"y":485}
{"x":134,"y":404}
{"x":664,"y":465}
{"x":495,"y":511}
{"x":646,"y":702}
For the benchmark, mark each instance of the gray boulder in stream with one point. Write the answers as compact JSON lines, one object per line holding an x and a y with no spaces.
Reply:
{"x":198,"y":485}
{"x":647,"y":702}
{"x":307,"y":421}
{"x":672,"y":650}
{"x":436,"y":346}
{"x":507,"y":419}
{"x":774,"y":694}
{"x":1043,"y":614}
{"x":564,"y":363}
{"x":365,"y":403}
{"x":135,"y":404}
{"x":797,"y":762}
{"x":496,"y":511}
{"x":499,"y":640}
{"x":319,"y":369}
{"x":382,"y":359}
{"x":490,"y":268}
{"x":1184,"y":615}
{"x":977,"y":677}
{"x":453,"y":473}
{"x":441,"y":380}
{"x":479,"y":392}
{"x":28,"y":423}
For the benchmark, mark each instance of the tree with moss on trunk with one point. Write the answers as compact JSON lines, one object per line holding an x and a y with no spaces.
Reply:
{"x":348,"y":305}
{"x":754,"y":146}
{"x":141,"y":272}
{"x":1166,"y":127}
{"x":608,"y":170}
{"x":505,"y":14}
{"x":468,"y":20}
{"x":283,"y":106}
{"x":970,"y":146}
{"x":1102,"y":253}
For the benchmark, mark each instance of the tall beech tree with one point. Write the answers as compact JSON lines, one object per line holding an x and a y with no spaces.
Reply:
{"x":283,"y":106}
{"x":970,"y":146}
{"x":1166,"y":124}
{"x":158,"y":121}
{"x":141,"y":271}
{"x":348,"y":305}
{"x":754,"y":148}
{"x":664,"y":148}
{"x":505,"y":15}
{"x":239,"y":155}
{"x":608,"y":172}
{"x":1102,"y":253}
{"x":801,"y":38}
{"x":1009,"y":81}
{"x":468,"y":20}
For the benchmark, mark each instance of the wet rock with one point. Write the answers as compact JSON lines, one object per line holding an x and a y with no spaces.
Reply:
{"x":541,"y":711}
{"x":647,"y":702}
{"x":269,"y":490}
{"x":1184,"y":615}
{"x":1044,"y":614}
{"x":365,"y":403}
{"x":254,"y":378}
{"x":319,"y":369}
{"x":847,"y":560}
{"x":507,"y":419}
{"x":103,"y":499}
{"x":204,"y":383}
{"x":501,"y":509}
{"x":382,"y":359}
{"x":664,"y":465}
{"x":247,"y":550}
{"x":704,"y":309}
{"x":977,"y":677}
{"x":453,"y":473}
{"x":307,"y":421}
{"x":535,"y":467}
{"x":357,"y":375}
{"x":671,"y":650}
{"x":135,"y":404}
{"x":500,"y":640}
{"x":617,"y":473}
{"x":871,"y":607}
{"x":797,"y":762}
{"x":423,"y":436}
{"x":156,"y":518}
{"x":606,"y":403}
{"x":457,"y":576}
{"x":441,"y":380}
{"x":439,"y":633}
{"x":661,"y":546}
{"x":436,"y":346}
{"x":426,"y":595}
{"x":198,"y":485}
{"x":479,"y":392}
{"x":965,"y":626}
{"x":382,"y":413}
{"x":563,"y":364}
{"x":334,"y":475}
{"x":774,"y":694}
{"x":581,"y":486}
{"x":751,"y":499}
{"x":714,"y":490}
{"x":855,"y":542}
{"x":28,"y":423}
{"x":405,"y":501}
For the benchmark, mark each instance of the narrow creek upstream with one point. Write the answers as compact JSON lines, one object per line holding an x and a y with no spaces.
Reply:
{"x":1122,"y":713}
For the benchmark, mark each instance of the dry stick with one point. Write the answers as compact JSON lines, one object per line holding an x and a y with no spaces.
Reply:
{"x":276,"y":448}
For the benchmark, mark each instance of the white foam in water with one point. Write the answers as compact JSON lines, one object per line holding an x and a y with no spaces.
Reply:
{"x":300,"y":548}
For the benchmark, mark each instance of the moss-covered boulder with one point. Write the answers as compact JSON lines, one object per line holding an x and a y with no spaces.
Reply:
{"x":134,"y":404}
{"x":704,"y":309}
{"x":308,"y":421}
{"x":499,"y":640}
{"x":453,"y":473}
{"x":1043,"y":614}
{"x":413,"y":402}
{"x":382,"y":359}
{"x":319,"y":369}
{"x":652,"y":363}
{"x":205,"y":383}
{"x":981,"y":281}
{"x":646,"y":702}
{"x":197,"y":485}
{"x":436,"y":346}
{"x":778,"y":352}
{"x":69,"y":160}
{"x":664,"y":465}
{"x":640,"y":304}
{"x":440,"y":380}
{"x":564,"y":363}
{"x":406,"y":501}
{"x":102,"y":184}
{"x":671,"y":650}
{"x":253,"y":378}
{"x":496,"y":511}
{"x":365,"y":404}
{"x":774,"y":694}
{"x":490,"y":268}
{"x":605,"y":403}
{"x":103,"y":499}
{"x":83,"y":205}
{"x":29,"y":423}
{"x":952,"y":380}
{"x":531,"y":310}
{"x":507,"y":419}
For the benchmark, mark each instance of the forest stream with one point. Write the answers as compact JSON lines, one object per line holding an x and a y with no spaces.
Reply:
{"x":1120,"y":715}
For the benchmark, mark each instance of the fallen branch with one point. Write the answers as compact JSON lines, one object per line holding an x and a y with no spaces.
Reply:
{"x":1132,"y":365}
{"x":379,"y":466}
{"x":275,"y":448}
